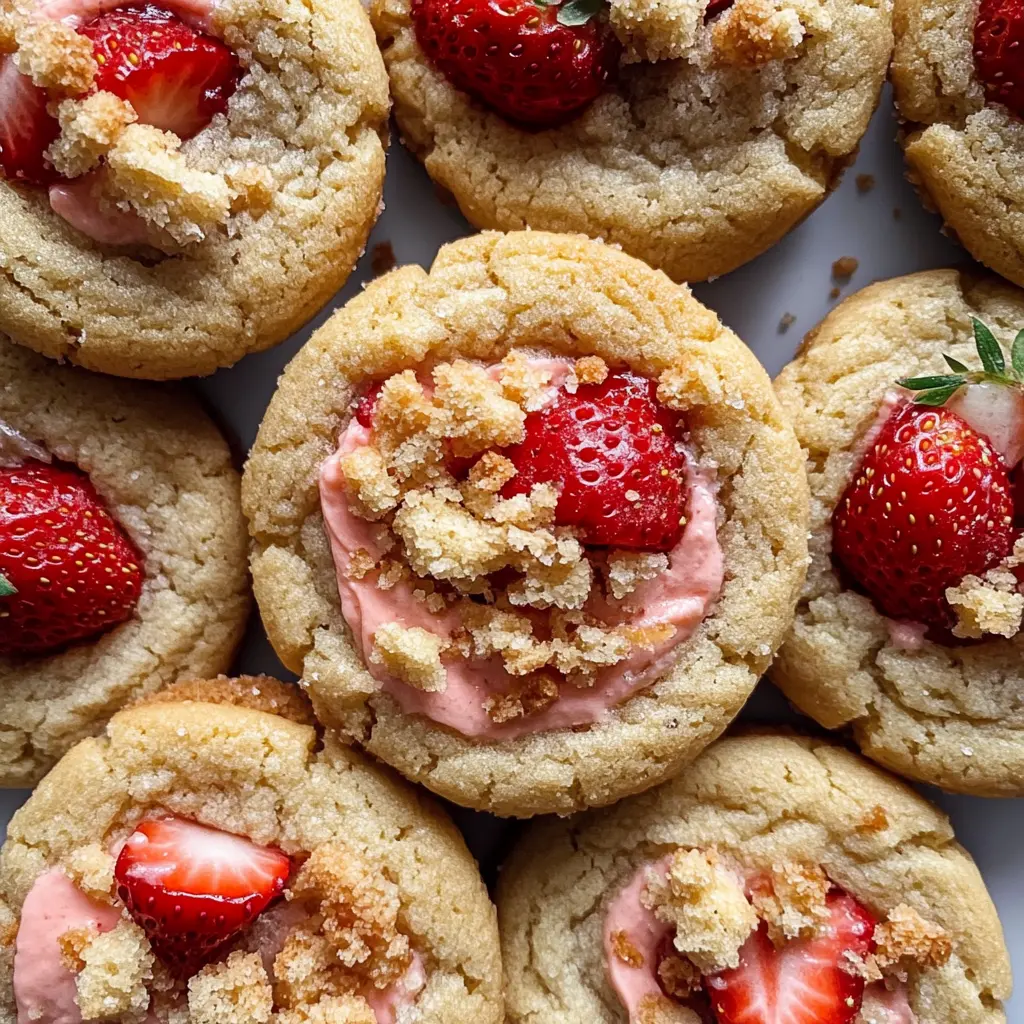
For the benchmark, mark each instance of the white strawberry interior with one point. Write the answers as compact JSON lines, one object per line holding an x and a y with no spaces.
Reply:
{"x":997,"y":412}
{"x":16,"y":449}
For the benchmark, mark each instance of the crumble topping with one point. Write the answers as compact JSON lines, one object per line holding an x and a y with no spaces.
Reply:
{"x":91,"y":868}
{"x":653,"y":30}
{"x":624,"y":950}
{"x":412,"y":654}
{"x":989,"y":604}
{"x":345,"y":1009}
{"x":706,"y":904}
{"x":479,"y":559}
{"x":89,"y":130}
{"x":234,"y":991}
{"x":791,"y":900}
{"x":53,"y":55}
{"x":753,"y":32}
{"x":116,"y":967}
{"x":906,"y":939}
{"x":679,"y":977}
{"x":656,"y":1010}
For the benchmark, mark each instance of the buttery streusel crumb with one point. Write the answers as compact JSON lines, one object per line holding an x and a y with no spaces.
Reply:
{"x":659,"y":1010}
{"x":147,"y":169}
{"x":335,"y":1009}
{"x":679,"y":977}
{"x":876,"y":821}
{"x":653,"y":30}
{"x":564,"y":585}
{"x":89,"y":128}
{"x":72,"y":943}
{"x":481,"y":417}
{"x":626,"y":570}
{"x":844,"y":268}
{"x":409,"y":429}
{"x":706,"y":904}
{"x":522,"y":381}
{"x":412,"y":655}
{"x":360,"y":564}
{"x":116,"y":968}
{"x":491,"y":472}
{"x":754,"y":32}
{"x":359,"y":910}
{"x":989,"y":604}
{"x":234,"y":991}
{"x":591,"y":370}
{"x":527,"y":697}
{"x":92,"y":869}
{"x":371,"y":491}
{"x":792,"y":900}
{"x":54,"y":55}
{"x":623,"y":948}
{"x":906,"y":938}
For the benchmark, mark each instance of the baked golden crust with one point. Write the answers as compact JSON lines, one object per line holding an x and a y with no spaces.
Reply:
{"x":945,"y":715}
{"x":965,"y":156}
{"x":766,"y":800}
{"x":260,"y":775}
{"x":165,"y":472}
{"x":305,"y":131}
{"x":694,"y":165}
{"x":565,"y":295}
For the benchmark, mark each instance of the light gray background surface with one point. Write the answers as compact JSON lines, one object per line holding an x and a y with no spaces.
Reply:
{"x":795,"y":278}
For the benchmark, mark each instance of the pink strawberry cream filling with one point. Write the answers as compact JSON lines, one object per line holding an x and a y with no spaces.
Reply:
{"x":681,"y":596}
{"x":44,"y":988}
{"x":628,"y":917}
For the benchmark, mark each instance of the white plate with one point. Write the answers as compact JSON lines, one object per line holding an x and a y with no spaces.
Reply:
{"x":795,"y":278}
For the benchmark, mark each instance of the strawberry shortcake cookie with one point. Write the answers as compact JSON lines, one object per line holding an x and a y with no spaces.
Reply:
{"x":182,"y":181}
{"x":693,"y":133}
{"x":778,"y":881}
{"x":530,"y":525}
{"x":909,"y":400}
{"x":958,"y":77}
{"x":122,"y":552}
{"x":208,"y":860}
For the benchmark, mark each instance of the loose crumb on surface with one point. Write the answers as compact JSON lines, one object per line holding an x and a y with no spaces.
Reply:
{"x":865,"y":182}
{"x":382,"y":259}
{"x":834,"y":293}
{"x":844,"y":268}
{"x":785,"y":322}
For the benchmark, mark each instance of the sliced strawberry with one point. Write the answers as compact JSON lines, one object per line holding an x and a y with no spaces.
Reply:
{"x":367,"y":405}
{"x":174,"y":77}
{"x":614,"y":452}
{"x":930,"y":504}
{"x":998,"y":60}
{"x":26,"y":128}
{"x":805,"y":982}
{"x":67,"y":569}
{"x":192,"y":889}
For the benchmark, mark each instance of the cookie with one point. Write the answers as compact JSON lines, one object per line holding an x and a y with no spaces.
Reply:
{"x":719,"y":128}
{"x":771,"y":853}
{"x":953,"y":77}
{"x":164,"y":217}
{"x":210,"y":857}
{"x":530,"y":525}
{"x":162,"y":479}
{"x":922,"y":667}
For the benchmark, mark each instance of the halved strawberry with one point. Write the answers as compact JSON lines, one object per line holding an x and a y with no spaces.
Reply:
{"x":192,"y":889}
{"x":613,"y":450}
{"x":174,"y":77}
{"x":805,"y":982}
{"x":26,"y":128}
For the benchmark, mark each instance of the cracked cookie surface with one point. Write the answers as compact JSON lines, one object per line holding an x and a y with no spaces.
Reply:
{"x":694,"y":165}
{"x":764,"y":800}
{"x":287,"y":183}
{"x":165,"y":473}
{"x":559,"y":296}
{"x":211,"y":752}
{"x":949,"y":715}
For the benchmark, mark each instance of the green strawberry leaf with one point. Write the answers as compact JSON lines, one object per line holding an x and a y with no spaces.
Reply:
{"x":929,"y":383}
{"x":1017,"y":355}
{"x":7,"y":589}
{"x":991,"y":354}
{"x":578,"y":12}
{"x":956,"y":366}
{"x":937,"y":396}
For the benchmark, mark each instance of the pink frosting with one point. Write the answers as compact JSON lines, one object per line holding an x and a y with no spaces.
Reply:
{"x":681,"y":596}
{"x":44,"y":989}
{"x":905,"y":635}
{"x":627,"y":915}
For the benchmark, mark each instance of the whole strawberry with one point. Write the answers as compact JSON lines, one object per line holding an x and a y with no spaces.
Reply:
{"x":193,"y":889}
{"x":176,"y":78}
{"x":930,"y":504}
{"x":67,"y":570}
{"x":613,"y":451}
{"x":998,"y":60}
{"x":538,"y":65}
